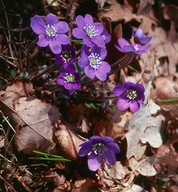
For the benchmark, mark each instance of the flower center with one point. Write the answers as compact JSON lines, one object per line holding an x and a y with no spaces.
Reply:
{"x":51,"y":30}
{"x":131,"y":94}
{"x":69,"y":77}
{"x":66,"y":56}
{"x":136,"y":47}
{"x":90,"y":30}
{"x":94,"y":60}
{"x":98,"y":148}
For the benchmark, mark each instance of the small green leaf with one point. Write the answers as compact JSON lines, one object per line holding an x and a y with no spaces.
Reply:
{"x":92,"y":105}
{"x":13,"y":73}
{"x":77,"y":41}
{"x":133,"y":69}
{"x":167,"y":101}
{"x":49,"y":157}
{"x":25,"y":74}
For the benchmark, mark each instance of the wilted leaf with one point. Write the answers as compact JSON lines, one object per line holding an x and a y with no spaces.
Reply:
{"x":144,"y":166}
{"x":68,"y":141}
{"x":171,"y":12}
{"x":164,"y":46}
{"x":24,"y":88}
{"x":37,"y":131}
{"x":117,"y":171}
{"x":111,"y":123}
{"x":152,"y":134}
{"x":134,"y":188}
{"x":137,"y":131}
{"x":102,"y":2}
{"x":117,"y":12}
{"x":85,"y":185}
{"x":33,"y":121}
{"x":145,"y":7}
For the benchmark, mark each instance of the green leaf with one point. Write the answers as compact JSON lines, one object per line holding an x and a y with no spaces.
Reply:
{"x":133,"y":69}
{"x":49,"y":157}
{"x":77,"y":41}
{"x":25,"y":74}
{"x":13,"y":73}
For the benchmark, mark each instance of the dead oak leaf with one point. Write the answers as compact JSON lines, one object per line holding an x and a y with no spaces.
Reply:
{"x":37,"y":131}
{"x":23,"y":87}
{"x":102,"y":2}
{"x":117,"y":171}
{"x":143,"y":122}
{"x":68,"y":141}
{"x":144,"y":166}
{"x":32,"y":120}
{"x":118,"y":11}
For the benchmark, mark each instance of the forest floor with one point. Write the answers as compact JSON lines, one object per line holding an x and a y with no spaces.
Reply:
{"x":42,"y":125}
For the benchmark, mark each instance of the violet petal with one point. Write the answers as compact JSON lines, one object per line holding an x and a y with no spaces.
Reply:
{"x":38,"y":25}
{"x":89,"y":72}
{"x":80,"y":21}
{"x":114,"y":147}
{"x":55,"y":47}
{"x":123,"y":104}
{"x":94,"y":162}
{"x":118,"y":90}
{"x":42,"y":42}
{"x":62,"y":27}
{"x":51,"y":19}
{"x":62,"y":39}
{"x":78,"y":33}
{"x":109,"y":156}
{"x":134,"y":106}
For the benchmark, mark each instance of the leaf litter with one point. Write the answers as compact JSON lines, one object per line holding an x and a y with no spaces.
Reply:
{"x":33,"y":118}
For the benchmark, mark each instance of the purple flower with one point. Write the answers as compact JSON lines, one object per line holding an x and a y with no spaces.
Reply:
{"x":89,"y":31}
{"x":69,"y":78}
{"x":67,"y":56}
{"x":106,"y":36}
{"x":130,"y":95}
{"x":125,"y":47}
{"x":140,"y":37}
{"x":51,"y":32}
{"x":100,"y":149}
{"x":93,"y":63}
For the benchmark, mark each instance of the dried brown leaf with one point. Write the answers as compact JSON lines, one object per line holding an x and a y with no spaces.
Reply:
{"x":33,"y":121}
{"x":171,"y":12}
{"x":144,"y":166}
{"x":102,"y":2}
{"x":118,"y":11}
{"x":135,"y":188}
{"x":37,"y":131}
{"x":137,"y":131}
{"x":164,"y":45}
{"x":117,"y":171}
{"x":87,"y":185}
{"x":24,"y":88}
{"x":111,"y":123}
{"x":68,"y":141}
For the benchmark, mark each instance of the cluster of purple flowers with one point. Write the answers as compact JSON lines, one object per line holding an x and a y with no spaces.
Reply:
{"x":140,"y":46}
{"x":94,"y":35}
{"x":53,"y":33}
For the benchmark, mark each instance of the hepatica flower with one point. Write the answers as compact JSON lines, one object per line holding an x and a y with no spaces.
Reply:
{"x":130,"y":95}
{"x":69,"y":78}
{"x":125,"y":47}
{"x":89,"y":31}
{"x":67,"y":56}
{"x":51,"y":32}
{"x":99,"y":150}
{"x":140,"y":37}
{"x":106,"y":36}
{"x":93,"y":63}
